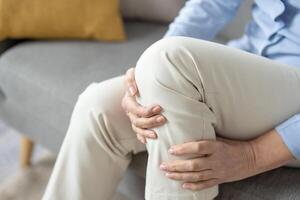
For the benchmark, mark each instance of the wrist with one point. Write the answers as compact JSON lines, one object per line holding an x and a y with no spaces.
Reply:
{"x":249,"y":157}
{"x":269,"y":152}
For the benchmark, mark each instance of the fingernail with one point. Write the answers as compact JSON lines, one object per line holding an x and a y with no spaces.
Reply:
{"x":132,"y":90}
{"x":163,"y":167}
{"x":185,"y":186}
{"x":168,"y":174}
{"x":156,"y":109}
{"x":172,"y":150}
{"x":160,"y":119}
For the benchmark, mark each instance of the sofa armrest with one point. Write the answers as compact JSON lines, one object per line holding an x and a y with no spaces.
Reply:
{"x":6,"y":44}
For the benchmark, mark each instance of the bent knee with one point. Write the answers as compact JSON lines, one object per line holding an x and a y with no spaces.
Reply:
{"x":173,"y":63}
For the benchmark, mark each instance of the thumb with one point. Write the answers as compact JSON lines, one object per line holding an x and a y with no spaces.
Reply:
{"x":131,"y":84}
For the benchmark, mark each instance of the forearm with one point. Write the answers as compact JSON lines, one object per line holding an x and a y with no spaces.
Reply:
{"x":269,"y":152}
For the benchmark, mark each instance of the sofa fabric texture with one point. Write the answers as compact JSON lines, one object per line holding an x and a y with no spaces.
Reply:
{"x":61,"y":19}
{"x":152,"y":10}
{"x":48,"y":77}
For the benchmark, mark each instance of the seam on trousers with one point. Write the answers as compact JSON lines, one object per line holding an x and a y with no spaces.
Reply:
{"x":114,"y":150}
{"x":202,"y":93}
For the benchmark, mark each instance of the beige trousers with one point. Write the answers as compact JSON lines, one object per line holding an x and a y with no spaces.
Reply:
{"x":204,"y":89}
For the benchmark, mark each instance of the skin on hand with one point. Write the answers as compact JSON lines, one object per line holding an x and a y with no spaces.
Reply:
{"x":223,"y":160}
{"x":142,"y":118}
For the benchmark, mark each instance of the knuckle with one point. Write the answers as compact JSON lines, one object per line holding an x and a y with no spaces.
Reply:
{"x":135,"y":110}
{"x":150,"y":122}
{"x":199,"y":146}
{"x":172,"y":167}
{"x":180,"y":176}
{"x":199,"y":176}
{"x":143,"y":123}
{"x":192,"y":165}
{"x":143,"y":133}
{"x":179,"y":150}
{"x":135,"y":121}
{"x":143,"y":112}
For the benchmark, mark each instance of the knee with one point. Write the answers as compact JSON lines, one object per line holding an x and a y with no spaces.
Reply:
{"x":169,"y":58}
{"x":93,"y":99}
{"x":160,"y":55}
{"x":171,"y":62}
{"x":90,"y":114}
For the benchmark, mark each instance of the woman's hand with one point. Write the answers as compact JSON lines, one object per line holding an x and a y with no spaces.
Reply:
{"x":215,"y":162}
{"x":142,"y":118}
{"x":223,"y":160}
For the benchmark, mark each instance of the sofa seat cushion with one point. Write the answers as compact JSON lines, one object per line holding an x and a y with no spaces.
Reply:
{"x":41,"y":80}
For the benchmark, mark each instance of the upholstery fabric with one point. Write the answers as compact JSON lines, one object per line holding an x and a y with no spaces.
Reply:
{"x":61,"y":19}
{"x":4,"y":45}
{"x":41,"y":80}
{"x":154,"y":10}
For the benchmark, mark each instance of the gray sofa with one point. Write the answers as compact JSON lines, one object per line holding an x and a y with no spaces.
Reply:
{"x":41,"y":80}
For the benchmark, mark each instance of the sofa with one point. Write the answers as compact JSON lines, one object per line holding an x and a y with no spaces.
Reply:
{"x":41,"y":80}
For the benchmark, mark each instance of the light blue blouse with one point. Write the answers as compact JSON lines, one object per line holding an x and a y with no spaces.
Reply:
{"x":274,"y":33}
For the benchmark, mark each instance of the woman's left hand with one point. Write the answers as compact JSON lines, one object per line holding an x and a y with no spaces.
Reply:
{"x":214,"y":162}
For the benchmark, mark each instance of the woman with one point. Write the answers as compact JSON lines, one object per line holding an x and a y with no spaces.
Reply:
{"x":184,"y":93}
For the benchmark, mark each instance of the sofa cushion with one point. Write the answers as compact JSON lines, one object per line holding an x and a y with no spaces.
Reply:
{"x":154,"y":10}
{"x":41,"y":80}
{"x":279,"y":184}
{"x":92,"y":19}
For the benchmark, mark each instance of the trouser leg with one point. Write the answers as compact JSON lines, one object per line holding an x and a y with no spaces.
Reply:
{"x":205,"y":88}
{"x":97,"y":148}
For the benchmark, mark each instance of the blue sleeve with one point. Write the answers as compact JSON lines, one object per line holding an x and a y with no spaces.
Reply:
{"x":290,"y":133}
{"x":203,"y":19}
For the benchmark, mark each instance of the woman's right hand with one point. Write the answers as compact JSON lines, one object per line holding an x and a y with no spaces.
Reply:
{"x":142,"y":118}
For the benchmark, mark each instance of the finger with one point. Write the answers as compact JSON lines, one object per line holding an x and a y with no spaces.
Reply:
{"x":197,"y":164}
{"x":200,"y":185}
{"x":191,"y":176}
{"x":198,"y":147}
{"x":130,"y":80}
{"x":141,"y":139}
{"x":150,"y":122}
{"x":131,"y":105}
{"x":144,"y":132}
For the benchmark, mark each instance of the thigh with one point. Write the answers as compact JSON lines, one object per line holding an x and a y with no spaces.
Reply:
{"x":248,"y":94}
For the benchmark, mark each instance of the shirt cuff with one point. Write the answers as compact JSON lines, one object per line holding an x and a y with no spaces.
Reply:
{"x":290,"y":133}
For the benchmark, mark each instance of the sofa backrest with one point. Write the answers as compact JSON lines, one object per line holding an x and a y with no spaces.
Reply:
{"x":166,"y":10}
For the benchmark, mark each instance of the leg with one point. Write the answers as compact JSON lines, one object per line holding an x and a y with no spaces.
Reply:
{"x":26,"y":151}
{"x":205,"y":88}
{"x":97,"y":148}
